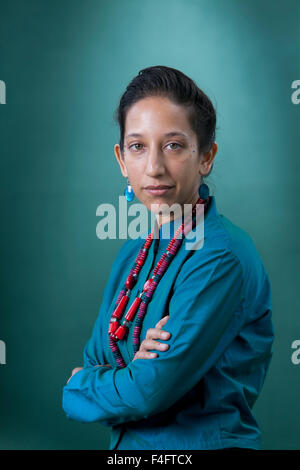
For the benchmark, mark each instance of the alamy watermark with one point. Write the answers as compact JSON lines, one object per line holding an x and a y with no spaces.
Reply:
{"x":139,"y":226}
{"x":296,"y":94}
{"x":2,"y":92}
{"x":295,"y":358}
{"x":2,"y":352}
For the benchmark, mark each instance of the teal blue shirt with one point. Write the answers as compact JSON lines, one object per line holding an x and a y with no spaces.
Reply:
{"x":198,"y":394}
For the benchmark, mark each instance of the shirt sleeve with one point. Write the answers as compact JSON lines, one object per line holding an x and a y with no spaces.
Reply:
{"x":205,"y":315}
{"x":93,"y":353}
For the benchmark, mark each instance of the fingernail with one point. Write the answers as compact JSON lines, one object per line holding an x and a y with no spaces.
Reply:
{"x":152,"y":354}
{"x":165,"y":335}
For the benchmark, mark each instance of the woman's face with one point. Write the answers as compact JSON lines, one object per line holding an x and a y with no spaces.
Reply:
{"x":160,"y":148}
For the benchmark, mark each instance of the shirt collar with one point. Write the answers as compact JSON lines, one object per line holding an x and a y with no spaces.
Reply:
{"x":168,"y":229}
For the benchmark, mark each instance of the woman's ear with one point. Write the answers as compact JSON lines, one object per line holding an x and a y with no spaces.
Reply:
{"x":120,"y":160}
{"x":207,"y":159}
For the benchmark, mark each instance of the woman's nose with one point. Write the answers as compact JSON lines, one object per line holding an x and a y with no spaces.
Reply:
{"x":155,"y":163}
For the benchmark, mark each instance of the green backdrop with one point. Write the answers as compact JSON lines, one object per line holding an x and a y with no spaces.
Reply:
{"x":65,"y":65}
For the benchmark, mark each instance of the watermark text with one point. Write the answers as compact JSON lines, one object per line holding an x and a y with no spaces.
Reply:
{"x":2,"y":352}
{"x":138,"y":227}
{"x":2,"y":92}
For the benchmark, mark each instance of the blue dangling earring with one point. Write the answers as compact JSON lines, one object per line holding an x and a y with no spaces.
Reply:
{"x":203,"y":191}
{"x":128,"y":192}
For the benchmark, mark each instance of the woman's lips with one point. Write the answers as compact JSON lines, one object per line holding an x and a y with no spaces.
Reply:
{"x":159,"y":191}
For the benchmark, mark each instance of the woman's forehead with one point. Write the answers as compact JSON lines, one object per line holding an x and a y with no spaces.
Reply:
{"x":167,"y":120}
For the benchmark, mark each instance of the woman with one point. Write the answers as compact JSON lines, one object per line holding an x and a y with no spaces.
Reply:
{"x":198,"y":390}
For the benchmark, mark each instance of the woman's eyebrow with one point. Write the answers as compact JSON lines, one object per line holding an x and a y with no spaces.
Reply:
{"x":168,"y":134}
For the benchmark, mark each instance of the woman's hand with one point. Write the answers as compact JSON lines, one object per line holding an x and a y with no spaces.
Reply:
{"x":77,"y":369}
{"x":74,"y":371}
{"x":150,"y":343}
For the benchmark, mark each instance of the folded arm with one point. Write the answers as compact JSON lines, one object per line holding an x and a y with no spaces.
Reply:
{"x":205,"y":315}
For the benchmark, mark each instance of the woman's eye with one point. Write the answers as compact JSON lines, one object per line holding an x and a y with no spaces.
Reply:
{"x":174,"y":143}
{"x":135,"y":145}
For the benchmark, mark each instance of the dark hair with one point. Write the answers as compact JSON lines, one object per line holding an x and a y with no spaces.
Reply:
{"x":160,"y":80}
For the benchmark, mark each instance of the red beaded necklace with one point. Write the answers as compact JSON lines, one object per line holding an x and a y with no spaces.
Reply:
{"x":118,"y":332}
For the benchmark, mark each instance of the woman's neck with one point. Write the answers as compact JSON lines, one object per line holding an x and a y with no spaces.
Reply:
{"x":173,"y":215}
